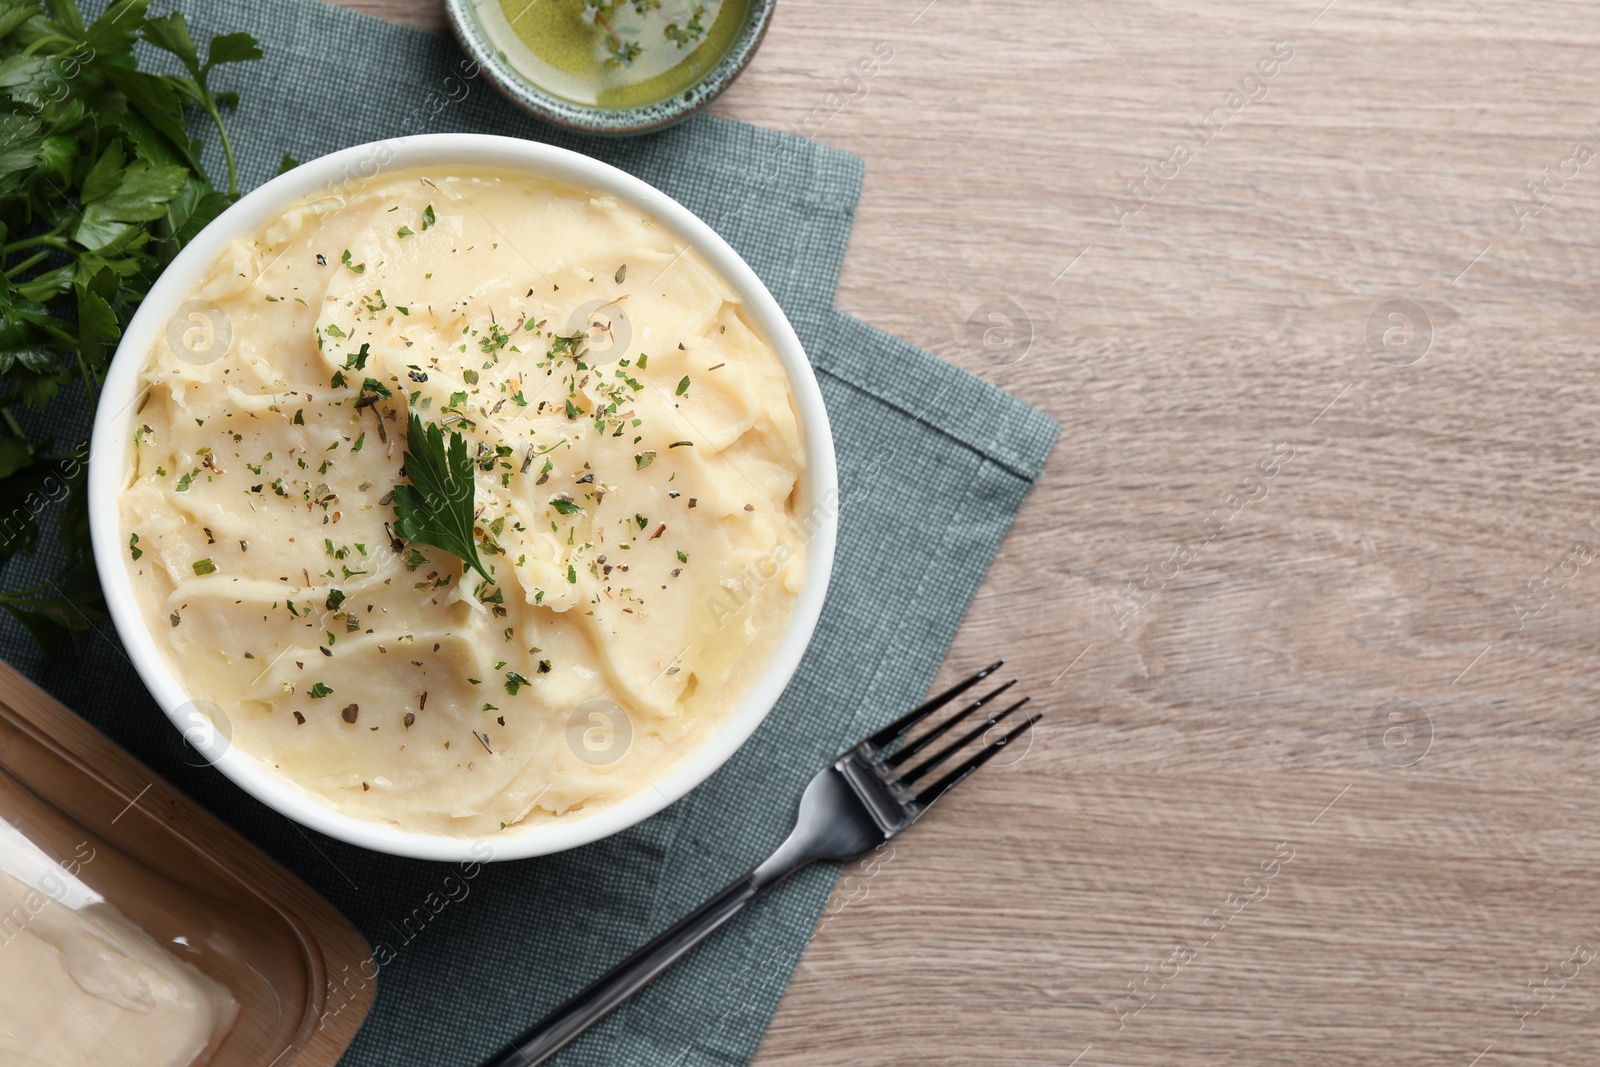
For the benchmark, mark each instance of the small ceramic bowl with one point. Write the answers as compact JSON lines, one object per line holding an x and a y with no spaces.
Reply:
{"x":113,"y":437}
{"x":491,"y":57}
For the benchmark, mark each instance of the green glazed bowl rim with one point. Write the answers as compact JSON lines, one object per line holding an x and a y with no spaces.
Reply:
{"x":615,"y":122}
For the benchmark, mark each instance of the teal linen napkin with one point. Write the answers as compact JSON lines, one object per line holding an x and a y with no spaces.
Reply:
{"x":933,"y":465}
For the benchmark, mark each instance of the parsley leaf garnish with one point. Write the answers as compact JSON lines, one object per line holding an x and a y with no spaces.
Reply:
{"x":437,"y":508}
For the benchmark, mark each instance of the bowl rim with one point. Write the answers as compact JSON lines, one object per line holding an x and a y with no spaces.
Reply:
{"x":112,"y":436}
{"x":470,"y":34}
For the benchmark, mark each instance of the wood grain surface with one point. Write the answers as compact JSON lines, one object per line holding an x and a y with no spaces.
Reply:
{"x":1309,"y":586}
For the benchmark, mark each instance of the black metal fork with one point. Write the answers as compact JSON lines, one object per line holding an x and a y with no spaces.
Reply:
{"x":854,"y":804}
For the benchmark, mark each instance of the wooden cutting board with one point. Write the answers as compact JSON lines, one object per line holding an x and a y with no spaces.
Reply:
{"x":303,"y":976}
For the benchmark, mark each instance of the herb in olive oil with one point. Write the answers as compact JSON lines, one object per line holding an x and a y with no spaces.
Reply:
{"x":615,"y":53}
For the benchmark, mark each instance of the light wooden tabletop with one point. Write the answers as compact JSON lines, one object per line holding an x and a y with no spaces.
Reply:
{"x":1306,"y":588}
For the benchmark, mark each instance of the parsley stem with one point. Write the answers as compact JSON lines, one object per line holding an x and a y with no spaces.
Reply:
{"x":12,"y":272}
{"x":52,"y":239}
{"x":227,"y":146}
{"x":91,"y":384}
{"x":54,"y":38}
{"x":22,"y":596}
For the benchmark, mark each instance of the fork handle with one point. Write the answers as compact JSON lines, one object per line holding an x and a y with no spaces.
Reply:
{"x":628,"y":977}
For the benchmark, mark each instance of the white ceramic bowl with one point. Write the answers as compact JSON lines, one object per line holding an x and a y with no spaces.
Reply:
{"x":113,"y":435}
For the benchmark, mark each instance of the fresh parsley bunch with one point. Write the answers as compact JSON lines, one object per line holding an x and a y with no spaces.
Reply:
{"x":100,"y":186}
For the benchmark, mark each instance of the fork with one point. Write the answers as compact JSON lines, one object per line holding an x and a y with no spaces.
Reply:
{"x":854,"y":804}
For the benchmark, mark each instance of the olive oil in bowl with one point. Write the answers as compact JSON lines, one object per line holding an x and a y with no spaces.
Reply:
{"x":615,"y":54}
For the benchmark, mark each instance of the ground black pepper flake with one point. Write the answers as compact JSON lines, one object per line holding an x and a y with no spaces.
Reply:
{"x":350,"y":712}
{"x":299,"y":719}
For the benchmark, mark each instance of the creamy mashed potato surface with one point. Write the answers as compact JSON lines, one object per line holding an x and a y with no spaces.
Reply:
{"x":635,"y":459}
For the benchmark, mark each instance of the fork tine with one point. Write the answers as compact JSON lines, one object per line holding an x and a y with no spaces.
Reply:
{"x":939,"y":731}
{"x":958,"y":744}
{"x":907,"y":721}
{"x":944,"y":785}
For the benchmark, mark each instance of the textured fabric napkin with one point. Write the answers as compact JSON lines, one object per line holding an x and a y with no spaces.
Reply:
{"x":933,"y":465}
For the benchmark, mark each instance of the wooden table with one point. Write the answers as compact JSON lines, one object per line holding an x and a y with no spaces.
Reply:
{"x":1309,"y":586}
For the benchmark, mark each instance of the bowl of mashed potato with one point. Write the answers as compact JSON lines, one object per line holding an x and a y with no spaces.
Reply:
{"x":461,"y":489}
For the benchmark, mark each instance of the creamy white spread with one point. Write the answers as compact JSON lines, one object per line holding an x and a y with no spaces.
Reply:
{"x":85,"y":987}
{"x":636,"y":459}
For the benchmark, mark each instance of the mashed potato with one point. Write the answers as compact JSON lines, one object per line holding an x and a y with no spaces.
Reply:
{"x":634,"y":459}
